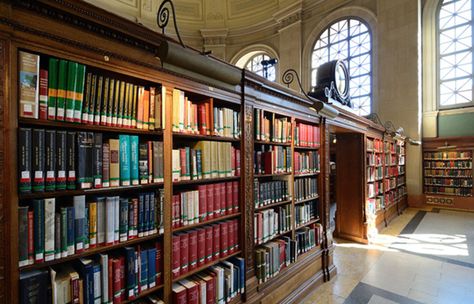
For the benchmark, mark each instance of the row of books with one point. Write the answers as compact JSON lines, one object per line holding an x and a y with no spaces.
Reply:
{"x":391,"y":171}
{"x":400,"y":147}
{"x":276,"y":255}
{"x":375,"y":204}
{"x":374,"y":189}
{"x":62,"y":90}
{"x":307,"y":135}
{"x":272,"y":160}
{"x":207,"y":202}
{"x":266,"y":193}
{"x":401,"y":180}
{"x":390,"y":183}
{"x":374,"y":145}
{"x":198,"y":247}
{"x":305,"y":188}
{"x":206,"y":159}
{"x":389,"y":147}
{"x":270,"y":128}
{"x":52,"y":160}
{"x":448,"y":155}
{"x":449,"y":182}
{"x":401,"y":160}
{"x":103,"y":278}
{"x":390,"y":160}
{"x":271,"y":222}
{"x":454,"y":164}
{"x":52,"y":233}
{"x":447,"y":173}
{"x":306,"y":212}
{"x":216,"y":285}
{"x":201,"y":117}
{"x":306,"y":162}
{"x":374,"y":159}
{"x":374,"y":173}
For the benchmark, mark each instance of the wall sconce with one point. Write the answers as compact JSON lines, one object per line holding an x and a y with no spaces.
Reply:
{"x":318,"y":106}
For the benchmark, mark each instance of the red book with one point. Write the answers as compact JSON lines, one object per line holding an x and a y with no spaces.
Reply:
{"x":179,"y":294}
{"x":237,"y":162}
{"x":208,"y":115}
{"x":232,"y":160}
{"x":116,"y":280}
{"x":267,"y":160}
{"x":192,"y":291}
{"x":159,"y":263}
{"x":201,"y":247}
{"x":202,"y":118}
{"x":222,"y":200}
{"x":176,"y":259}
{"x":235,"y":197}
{"x":217,"y":200}
{"x":216,"y":231}
{"x":122,"y":278}
{"x":228,"y":198}
{"x":184,"y":252}
{"x":231,"y":236}
{"x":193,"y":249}
{"x":281,"y":246}
{"x":202,"y":202}
{"x":235,"y":238}
{"x":182,"y":159}
{"x":210,"y":287}
{"x":210,"y":201}
{"x":209,"y":243}
{"x":135,"y":216}
{"x":31,"y":246}
{"x":224,"y":238}
{"x":110,"y":280}
{"x":75,"y":291}
{"x":43,"y":94}
{"x":259,"y":227}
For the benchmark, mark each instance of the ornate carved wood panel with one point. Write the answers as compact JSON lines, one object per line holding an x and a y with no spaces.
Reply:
{"x":3,"y":244}
{"x":248,"y":182}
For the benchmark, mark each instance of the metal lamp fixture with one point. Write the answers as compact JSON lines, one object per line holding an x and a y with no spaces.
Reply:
{"x":396,"y":133}
{"x":267,"y":64}
{"x":332,"y":82}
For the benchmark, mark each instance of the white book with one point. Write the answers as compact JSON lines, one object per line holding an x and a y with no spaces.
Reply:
{"x":116,"y":218}
{"x":189,"y":207}
{"x":79,"y":221}
{"x":100,"y":221}
{"x":229,"y":272}
{"x":196,"y":206}
{"x":109,"y":221}
{"x":176,"y":165}
{"x":184,"y":209}
{"x":219,"y":283}
{"x":60,"y":285}
{"x":49,"y":227}
{"x":104,"y":263}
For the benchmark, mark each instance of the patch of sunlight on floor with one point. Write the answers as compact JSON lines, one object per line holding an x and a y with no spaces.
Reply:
{"x":433,"y":244}
{"x":367,"y":247}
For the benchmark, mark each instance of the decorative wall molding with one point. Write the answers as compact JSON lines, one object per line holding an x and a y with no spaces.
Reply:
{"x":3,"y":224}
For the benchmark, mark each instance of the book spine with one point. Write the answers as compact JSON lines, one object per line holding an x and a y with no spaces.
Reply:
{"x":97,"y":157}
{"x":92,"y":102}
{"x":105,"y":101}
{"x":121,"y":104}
{"x":49,"y":221}
{"x":93,"y":225}
{"x":126,"y":100}
{"x":29,"y":70}
{"x":105,"y":165}
{"x":79,"y":92}
{"x":79,"y":221}
{"x":43,"y":94}
{"x":151,"y":119}
{"x":61,"y":152}
{"x":124,"y":212}
{"x":62,"y":90}
{"x":176,"y":258}
{"x":24,"y":157}
{"x":70,"y":231}
{"x":109,"y":221}
{"x":52,"y":87}
{"x":100,"y":221}
{"x":38,"y":209}
{"x":143,"y":163}
{"x":124,"y":160}
{"x":110,"y":105}
{"x":50,"y":165}
{"x":134,"y":106}
{"x":31,"y":238}
{"x":134,"y":159}
{"x":85,"y":143}
{"x":57,"y":235}
{"x":23,"y":235}
{"x":71,"y":90}
{"x":98,"y":102}
{"x":116,"y":219}
{"x":71,"y":160}
{"x":87,"y":99}
{"x":38,"y":161}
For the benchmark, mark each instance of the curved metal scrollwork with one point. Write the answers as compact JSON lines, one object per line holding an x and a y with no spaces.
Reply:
{"x":288,"y":78}
{"x":163,"y":16}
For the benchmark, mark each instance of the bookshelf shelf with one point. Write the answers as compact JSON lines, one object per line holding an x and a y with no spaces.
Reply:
{"x":271,"y":175}
{"x":307,"y":200}
{"x":214,"y":220}
{"x":449,"y":177}
{"x":206,"y":180}
{"x":272,"y":205}
{"x":100,"y":191}
{"x":263,"y":142}
{"x":194,"y":271}
{"x":315,"y":220}
{"x":275,"y":237}
{"x":306,"y":174}
{"x":92,"y":251}
{"x":186,"y":136}
{"x":447,"y":168}
{"x":306,"y":148}
{"x":85,"y":127}
{"x":144,"y":294}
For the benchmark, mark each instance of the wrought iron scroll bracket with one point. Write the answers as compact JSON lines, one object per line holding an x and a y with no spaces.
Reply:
{"x":288,"y":78}
{"x":163,"y":16}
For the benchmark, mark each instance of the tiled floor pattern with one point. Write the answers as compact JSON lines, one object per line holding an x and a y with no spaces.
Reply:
{"x":418,"y":263}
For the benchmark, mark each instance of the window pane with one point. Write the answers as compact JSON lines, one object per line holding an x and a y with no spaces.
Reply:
{"x":348,"y":40}
{"x":455,"y":53}
{"x":255,"y":65}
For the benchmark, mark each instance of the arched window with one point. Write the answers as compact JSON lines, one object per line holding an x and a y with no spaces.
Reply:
{"x":455,"y":56}
{"x":349,"y":40}
{"x":252,"y":61}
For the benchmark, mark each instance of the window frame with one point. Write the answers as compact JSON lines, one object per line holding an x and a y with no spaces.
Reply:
{"x":438,"y":61}
{"x":371,"y":55}
{"x":261,"y":53}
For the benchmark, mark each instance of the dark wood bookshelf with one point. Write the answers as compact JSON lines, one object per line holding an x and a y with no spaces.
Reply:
{"x":187,"y":136}
{"x":92,"y":251}
{"x":307,"y":200}
{"x":306,"y":148}
{"x":205,"y":180}
{"x":211,"y":221}
{"x":203,"y":267}
{"x":313,"y":221}
{"x":272,"y":143}
{"x":144,"y":293}
{"x":307,"y":174}
{"x":85,"y":127}
{"x":272,"y":205}
{"x":271,"y":175}
{"x":274,"y":237}
{"x":99,"y":191}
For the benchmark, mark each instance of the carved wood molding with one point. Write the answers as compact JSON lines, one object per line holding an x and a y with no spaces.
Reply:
{"x":3,"y":228}
{"x":248,"y":185}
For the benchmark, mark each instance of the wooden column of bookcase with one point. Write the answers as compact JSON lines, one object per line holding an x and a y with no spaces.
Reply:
{"x":451,"y":168}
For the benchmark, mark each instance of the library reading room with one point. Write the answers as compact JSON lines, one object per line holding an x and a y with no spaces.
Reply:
{"x":236,"y":151}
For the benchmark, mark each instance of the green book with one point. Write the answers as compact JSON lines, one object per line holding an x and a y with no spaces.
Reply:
{"x":98,"y":101}
{"x":79,"y":92}
{"x":126,"y":100}
{"x":134,"y":106}
{"x":71,"y":90}
{"x":93,"y":100}
{"x":124,"y":141}
{"x":105,"y":100}
{"x":110,"y":105}
{"x":52,"y":87}
{"x":87,"y":98}
{"x":121,"y":104}
{"x":62,"y":89}
{"x":38,"y":229}
{"x":134,"y":154}
{"x":116,"y":103}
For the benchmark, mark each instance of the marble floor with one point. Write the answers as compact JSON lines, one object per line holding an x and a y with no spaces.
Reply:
{"x":423,"y":256}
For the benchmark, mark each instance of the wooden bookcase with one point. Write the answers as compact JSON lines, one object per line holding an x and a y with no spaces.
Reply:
{"x":448,"y":172}
{"x":375,"y":183}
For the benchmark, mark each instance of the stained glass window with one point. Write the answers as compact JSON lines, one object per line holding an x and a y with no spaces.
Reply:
{"x":254,"y":64}
{"x":348,"y":40}
{"x":455,"y":53}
